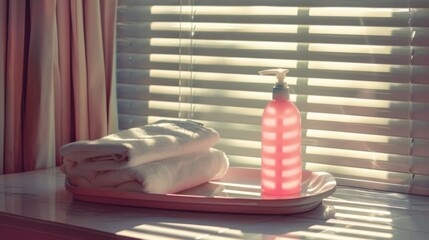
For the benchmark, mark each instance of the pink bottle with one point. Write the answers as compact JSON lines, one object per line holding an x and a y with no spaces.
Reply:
{"x":281,"y":170}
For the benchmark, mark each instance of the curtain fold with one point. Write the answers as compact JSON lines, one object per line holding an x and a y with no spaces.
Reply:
{"x":56,"y":67}
{"x":16,"y":39}
{"x":3,"y":17}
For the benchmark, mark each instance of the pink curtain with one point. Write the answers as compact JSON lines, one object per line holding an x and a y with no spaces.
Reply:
{"x":57,"y":78}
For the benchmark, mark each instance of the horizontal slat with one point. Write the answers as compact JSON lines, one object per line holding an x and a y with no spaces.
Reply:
{"x":140,"y":45}
{"x":137,"y":60}
{"x":279,"y":29}
{"x":358,"y":124}
{"x":356,"y":141}
{"x":421,"y":148}
{"x":144,"y":77}
{"x":142,"y":39}
{"x":420,"y":165}
{"x":275,"y":50}
{"x":420,"y":93}
{"x":273,"y":15}
{"x":129,"y":121}
{"x":257,"y":83}
{"x":326,"y":3}
{"x":302,"y":87}
{"x":420,"y":56}
{"x":420,"y":129}
{"x":133,"y":3}
{"x":259,"y":99}
{"x":359,"y":159}
{"x":420,"y":36}
{"x":420,"y":74}
{"x":144,"y":109}
{"x":420,"y":111}
{"x":420,"y":185}
{"x":420,"y":17}
{"x":309,"y":69}
{"x":337,"y":30}
{"x":391,"y":36}
{"x":376,"y":185}
{"x":362,"y":175}
{"x":251,"y":131}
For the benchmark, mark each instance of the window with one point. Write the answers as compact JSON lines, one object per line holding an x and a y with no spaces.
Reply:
{"x":359,"y":73}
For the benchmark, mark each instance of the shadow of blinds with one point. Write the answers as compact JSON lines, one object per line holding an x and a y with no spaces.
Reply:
{"x":359,"y":73}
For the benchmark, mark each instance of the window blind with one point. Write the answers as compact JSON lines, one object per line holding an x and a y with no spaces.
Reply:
{"x":359,"y":73}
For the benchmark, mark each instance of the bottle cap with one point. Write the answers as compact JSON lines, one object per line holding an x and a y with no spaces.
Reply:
{"x":280,"y":89}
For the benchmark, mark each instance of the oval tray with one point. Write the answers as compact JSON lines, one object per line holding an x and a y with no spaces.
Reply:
{"x":237,"y":192}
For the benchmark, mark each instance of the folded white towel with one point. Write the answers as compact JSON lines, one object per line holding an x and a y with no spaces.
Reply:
{"x":136,"y":146}
{"x":161,"y":177}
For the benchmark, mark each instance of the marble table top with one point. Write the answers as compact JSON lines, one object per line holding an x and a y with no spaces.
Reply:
{"x":350,"y":213}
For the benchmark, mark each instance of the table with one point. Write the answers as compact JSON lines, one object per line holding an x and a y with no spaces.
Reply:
{"x":35,"y":205}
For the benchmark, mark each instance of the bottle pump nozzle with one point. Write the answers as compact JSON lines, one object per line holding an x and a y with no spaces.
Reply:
{"x":280,"y":73}
{"x":280,"y":89}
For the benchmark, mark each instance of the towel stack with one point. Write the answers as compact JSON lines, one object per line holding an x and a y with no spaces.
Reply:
{"x":165,"y":157}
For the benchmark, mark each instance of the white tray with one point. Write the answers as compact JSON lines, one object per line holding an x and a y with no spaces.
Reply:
{"x":237,"y":192}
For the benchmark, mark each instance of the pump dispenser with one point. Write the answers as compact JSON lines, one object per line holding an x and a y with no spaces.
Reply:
{"x":281,"y":170}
